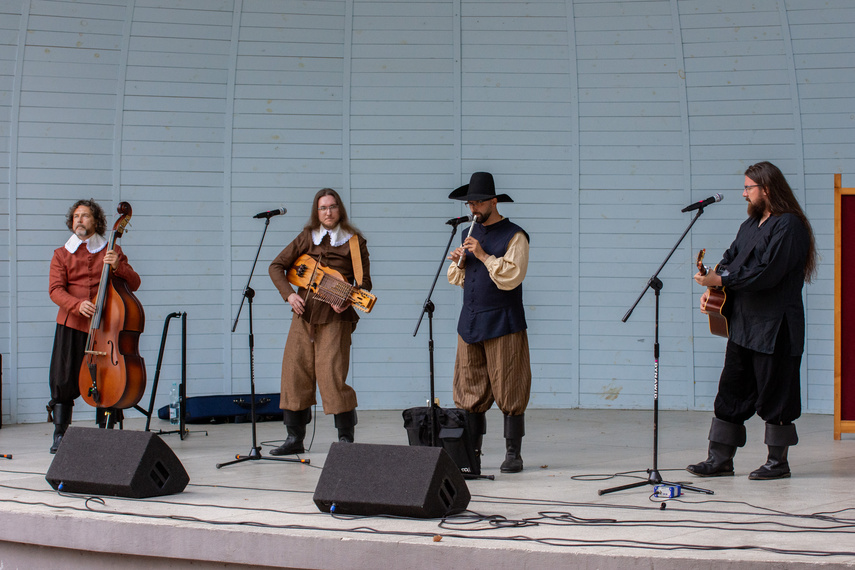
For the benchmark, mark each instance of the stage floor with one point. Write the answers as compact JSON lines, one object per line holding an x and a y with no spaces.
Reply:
{"x":261,"y":514}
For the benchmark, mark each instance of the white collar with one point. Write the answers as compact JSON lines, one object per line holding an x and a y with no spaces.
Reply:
{"x":337,"y":235}
{"x":94,"y":244}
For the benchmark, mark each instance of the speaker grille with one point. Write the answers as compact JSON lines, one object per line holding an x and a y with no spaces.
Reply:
{"x":115,"y":463}
{"x":369,"y":479}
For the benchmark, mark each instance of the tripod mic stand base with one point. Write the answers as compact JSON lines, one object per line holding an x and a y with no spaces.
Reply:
{"x":653,"y":478}
{"x":255,"y":455}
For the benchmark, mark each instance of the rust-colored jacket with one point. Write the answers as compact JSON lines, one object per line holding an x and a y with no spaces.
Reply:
{"x":74,"y":278}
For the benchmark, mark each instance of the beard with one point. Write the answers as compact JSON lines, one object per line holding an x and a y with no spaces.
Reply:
{"x":756,"y":210}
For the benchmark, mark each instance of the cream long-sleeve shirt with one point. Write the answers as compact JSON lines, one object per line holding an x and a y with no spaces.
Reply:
{"x":507,"y":272}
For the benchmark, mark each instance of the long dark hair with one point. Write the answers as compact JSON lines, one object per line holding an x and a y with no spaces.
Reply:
{"x":344,"y":222}
{"x":97,"y":214}
{"x":783,"y":201}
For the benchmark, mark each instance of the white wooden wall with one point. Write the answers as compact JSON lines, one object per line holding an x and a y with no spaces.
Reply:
{"x":602,"y":119}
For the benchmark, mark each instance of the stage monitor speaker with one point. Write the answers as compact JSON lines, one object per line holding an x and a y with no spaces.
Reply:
{"x":400,"y":480}
{"x":118,"y":463}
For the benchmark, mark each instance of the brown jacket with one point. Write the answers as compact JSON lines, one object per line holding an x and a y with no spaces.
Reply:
{"x":74,"y":278}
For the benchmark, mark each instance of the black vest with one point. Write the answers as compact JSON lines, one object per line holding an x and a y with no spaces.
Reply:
{"x":488,"y":312}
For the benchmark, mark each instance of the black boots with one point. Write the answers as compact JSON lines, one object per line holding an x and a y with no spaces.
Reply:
{"x":61,"y":421}
{"x":725,"y":438}
{"x":476,"y":427}
{"x":778,"y":440}
{"x":295,"y":425}
{"x":514,"y":432}
{"x":345,"y":423}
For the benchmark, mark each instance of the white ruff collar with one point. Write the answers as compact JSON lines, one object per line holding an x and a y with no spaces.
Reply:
{"x":94,"y":244}
{"x":337,"y":236}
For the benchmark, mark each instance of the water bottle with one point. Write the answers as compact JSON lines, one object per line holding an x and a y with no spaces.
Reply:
{"x":173,"y":404}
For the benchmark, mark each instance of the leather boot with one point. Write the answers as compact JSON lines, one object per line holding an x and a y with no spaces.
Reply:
{"x":725,"y":438}
{"x":476,"y":427}
{"x":61,"y":421}
{"x":514,"y":432}
{"x":295,"y":426}
{"x":778,"y":440}
{"x":345,"y":423}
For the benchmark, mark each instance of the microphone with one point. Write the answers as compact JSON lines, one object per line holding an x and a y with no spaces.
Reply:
{"x":703,"y":203}
{"x":461,"y":220}
{"x":271,"y":213}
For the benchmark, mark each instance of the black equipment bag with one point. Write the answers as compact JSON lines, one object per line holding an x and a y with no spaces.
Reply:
{"x":233,"y":408}
{"x":451,"y":433}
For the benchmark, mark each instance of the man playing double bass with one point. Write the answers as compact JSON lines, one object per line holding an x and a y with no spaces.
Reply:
{"x":75,"y":273}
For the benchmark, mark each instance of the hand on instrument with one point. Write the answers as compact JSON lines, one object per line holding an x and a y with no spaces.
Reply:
{"x":297,"y":303}
{"x":457,"y":255}
{"x":111,"y":258}
{"x":86,"y":308}
{"x":704,"y":298}
{"x":341,"y":308}
{"x":711,"y":279}
{"x":473,"y":245}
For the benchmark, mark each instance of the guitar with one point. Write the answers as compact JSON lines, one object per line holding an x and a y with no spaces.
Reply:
{"x":716,"y":304}
{"x":328,"y":285}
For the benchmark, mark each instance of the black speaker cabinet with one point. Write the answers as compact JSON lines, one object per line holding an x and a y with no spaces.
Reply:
{"x":400,"y":480}
{"x":116,"y":463}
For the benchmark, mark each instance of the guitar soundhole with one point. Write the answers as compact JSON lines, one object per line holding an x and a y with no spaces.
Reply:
{"x":301,"y":270}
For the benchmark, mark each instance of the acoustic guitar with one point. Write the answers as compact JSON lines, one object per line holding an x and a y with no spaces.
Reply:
{"x":328,"y":285}
{"x":716,"y":305}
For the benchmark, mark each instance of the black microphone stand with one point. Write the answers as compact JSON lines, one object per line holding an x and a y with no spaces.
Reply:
{"x":653,"y":476}
{"x":428,"y":308}
{"x":248,"y":294}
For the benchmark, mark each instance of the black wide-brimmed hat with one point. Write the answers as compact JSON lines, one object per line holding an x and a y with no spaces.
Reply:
{"x":480,"y":187}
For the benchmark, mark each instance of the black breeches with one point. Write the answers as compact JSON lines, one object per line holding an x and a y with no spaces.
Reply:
{"x":69,"y":346}
{"x":766,"y":384}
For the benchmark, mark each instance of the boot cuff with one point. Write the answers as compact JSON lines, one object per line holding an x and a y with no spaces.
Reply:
{"x":781,"y":436}
{"x":514,"y":426}
{"x":477,"y":422}
{"x":298,"y":418}
{"x":727,"y":433}
{"x":345,"y":419}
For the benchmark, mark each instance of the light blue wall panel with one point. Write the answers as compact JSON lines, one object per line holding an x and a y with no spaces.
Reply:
{"x":601,"y":118}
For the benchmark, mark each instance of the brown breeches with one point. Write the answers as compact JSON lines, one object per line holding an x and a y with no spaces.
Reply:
{"x":497,"y":370}
{"x":317,"y":356}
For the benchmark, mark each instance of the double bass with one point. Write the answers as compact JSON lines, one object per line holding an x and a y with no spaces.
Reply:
{"x":113,"y":372}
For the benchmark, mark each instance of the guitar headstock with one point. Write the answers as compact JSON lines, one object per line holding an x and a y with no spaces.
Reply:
{"x":701,"y":268}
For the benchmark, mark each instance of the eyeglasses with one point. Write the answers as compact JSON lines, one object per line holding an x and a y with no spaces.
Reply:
{"x":747,"y":188}
{"x":475,"y":203}
{"x":332,"y":208}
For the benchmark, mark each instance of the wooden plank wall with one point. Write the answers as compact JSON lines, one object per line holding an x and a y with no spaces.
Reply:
{"x":600,"y":118}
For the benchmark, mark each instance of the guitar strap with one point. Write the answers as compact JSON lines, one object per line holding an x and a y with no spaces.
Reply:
{"x":356,"y":259}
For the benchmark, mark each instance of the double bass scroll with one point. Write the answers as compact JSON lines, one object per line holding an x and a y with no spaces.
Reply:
{"x":113,"y":372}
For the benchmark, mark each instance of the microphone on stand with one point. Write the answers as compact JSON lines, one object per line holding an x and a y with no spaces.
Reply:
{"x":703,"y":203}
{"x":271,"y":213}
{"x":461,"y":220}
